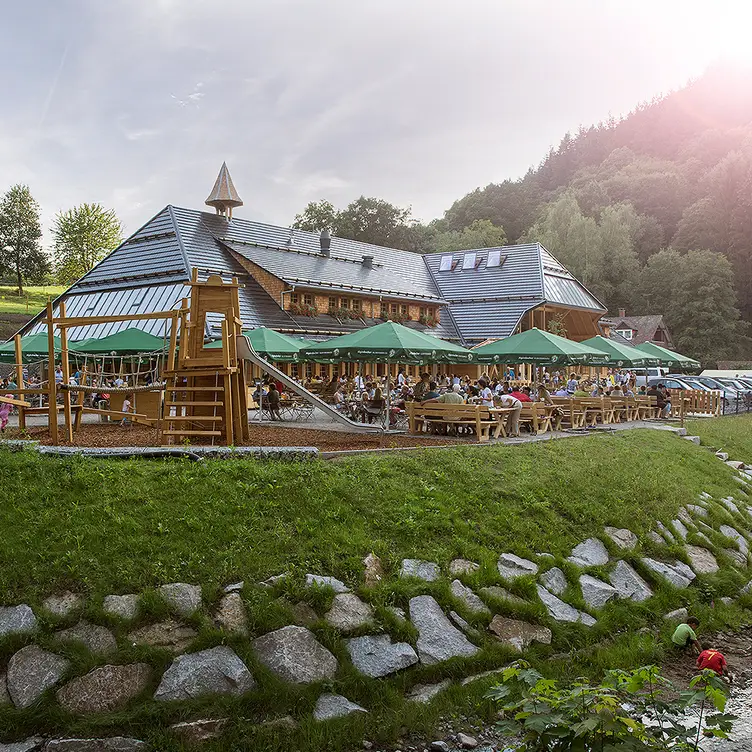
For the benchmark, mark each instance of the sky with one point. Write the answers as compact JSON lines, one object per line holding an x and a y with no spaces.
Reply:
{"x":135,"y":104}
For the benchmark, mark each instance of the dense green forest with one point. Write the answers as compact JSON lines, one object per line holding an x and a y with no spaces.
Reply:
{"x":653,"y":212}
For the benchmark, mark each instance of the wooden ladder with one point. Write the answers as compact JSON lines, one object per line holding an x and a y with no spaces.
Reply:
{"x":194,"y":408}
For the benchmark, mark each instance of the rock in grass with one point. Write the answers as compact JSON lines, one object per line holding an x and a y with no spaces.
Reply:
{"x":113,"y":744}
{"x":295,"y":655}
{"x":17,"y":620}
{"x":170,"y":635}
{"x":438,"y":640}
{"x":595,"y":592}
{"x":511,"y":566}
{"x":628,"y":583}
{"x":397,"y":612}
{"x":680,"y":529}
{"x":722,"y":456}
{"x":123,"y":606}
{"x":330,"y":706}
{"x":428,"y":571}
{"x":554,"y":580}
{"x":623,"y":537}
{"x":697,"y":510}
{"x":97,"y":640}
{"x":63,"y":604}
{"x":561,"y":611}
{"x":518,"y":634}
{"x":703,"y":562}
{"x":739,"y":559}
{"x":377,"y":655}
{"x":589,"y":553}
{"x":665,"y":532}
{"x":302,"y":613}
{"x":321,"y":581}
{"x":439,"y":746}
{"x":216,"y":671}
{"x":746,"y":589}
{"x":32,"y":671}
{"x":469,"y":598}
{"x":234,"y":587}
{"x":655,"y":538}
{"x":348,"y":613}
{"x":182,"y":598}
{"x":728,"y":502}
{"x":104,"y":689}
{"x":231,"y":615}
{"x":31,"y":744}
{"x":424,"y":693}
{"x":274,"y":580}
{"x":668,"y":572}
{"x":374,"y":571}
{"x":680,"y":615}
{"x":737,"y":537}
{"x":199,"y":731}
{"x":4,"y":696}
{"x":458,"y":567}
{"x":501,"y":594}
{"x":467,"y":742}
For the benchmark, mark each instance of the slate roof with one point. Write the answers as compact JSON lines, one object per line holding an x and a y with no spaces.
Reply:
{"x":149,"y":271}
{"x":644,"y":328}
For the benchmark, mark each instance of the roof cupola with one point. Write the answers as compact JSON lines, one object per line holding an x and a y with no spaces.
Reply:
{"x":223,"y":196}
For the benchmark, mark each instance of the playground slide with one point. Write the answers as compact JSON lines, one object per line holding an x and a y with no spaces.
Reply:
{"x":246,"y":352}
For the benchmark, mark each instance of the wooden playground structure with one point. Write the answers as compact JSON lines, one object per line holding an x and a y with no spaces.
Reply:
{"x":203,"y":396}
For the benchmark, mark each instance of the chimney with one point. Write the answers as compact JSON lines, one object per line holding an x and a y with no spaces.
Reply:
{"x":622,"y":313}
{"x":368,"y":262}
{"x":325,"y":241}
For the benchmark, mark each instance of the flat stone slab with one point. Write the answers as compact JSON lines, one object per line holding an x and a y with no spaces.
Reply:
{"x":518,"y":634}
{"x":330,"y":706}
{"x":32,"y":671}
{"x":31,"y":744}
{"x":97,"y":640}
{"x":459,"y":567}
{"x":680,"y":615}
{"x":438,"y":640}
{"x":554,"y":580}
{"x":623,"y":537}
{"x":665,"y":532}
{"x":697,"y":511}
{"x":216,"y":671}
{"x":63,"y":604}
{"x":424,"y":693}
{"x":123,"y":606}
{"x":105,"y":689}
{"x":728,"y":502}
{"x":471,"y":601}
{"x":669,"y":572}
{"x":231,"y":615}
{"x":561,"y":611}
{"x":628,"y":583}
{"x":589,"y":553}
{"x":500,"y":593}
{"x":680,"y":529}
{"x":295,"y":655}
{"x":170,"y":635}
{"x":657,"y":539}
{"x":113,"y":744}
{"x":348,"y":613}
{"x":274,"y":580}
{"x":199,"y":731}
{"x":595,"y":592}
{"x":703,"y":562}
{"x":17,"y":620}
{"x":321,"y":581}
{"x":737,"y":537}
{"x":739,"y":559}
{"x":429,"y":571}
{"x":377,"y":655}
{"x":182,"y":598}
{"x":511,"y":566}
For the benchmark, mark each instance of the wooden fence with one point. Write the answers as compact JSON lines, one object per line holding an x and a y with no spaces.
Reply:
{"x":685,"y":402}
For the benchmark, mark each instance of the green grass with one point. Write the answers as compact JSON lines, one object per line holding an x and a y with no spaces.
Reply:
{"x":102,"y":527}
{"x":31,"y":302}
{"x":732,"y":434}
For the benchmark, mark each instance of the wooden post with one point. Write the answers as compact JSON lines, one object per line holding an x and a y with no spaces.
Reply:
{"x":20,"y":380}
{"x":51,"y":385}
{"x":80,"y":402}
{"x":66,"y":375}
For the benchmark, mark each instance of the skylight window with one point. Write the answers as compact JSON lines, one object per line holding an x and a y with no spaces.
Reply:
{"x":494,"y":258}
{"x":469,"y":260}
{"x":446,"y":263}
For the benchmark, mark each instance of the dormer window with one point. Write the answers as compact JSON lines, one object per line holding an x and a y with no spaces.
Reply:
{"x":626,"y":333}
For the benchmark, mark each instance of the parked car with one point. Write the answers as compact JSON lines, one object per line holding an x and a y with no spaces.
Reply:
{"x":670,"y":382}
{"x":731,"y":396}
{"x":644,"y":374}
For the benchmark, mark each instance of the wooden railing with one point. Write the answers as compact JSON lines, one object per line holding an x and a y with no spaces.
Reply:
{"x":695,"y":402}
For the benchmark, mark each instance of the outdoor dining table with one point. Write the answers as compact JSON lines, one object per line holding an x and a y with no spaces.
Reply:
{"x":500,"y":414}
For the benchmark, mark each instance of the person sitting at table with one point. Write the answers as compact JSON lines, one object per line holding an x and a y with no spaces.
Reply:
{"x":583,"y":390}
{"x":339,"y":399}
{"x":272,"y":401}
{"x":616,"y":392}
{"x":433,"y":391}
{"x":521,"y":394}
{"x":486,"y":395}
{"x":422,"y":387}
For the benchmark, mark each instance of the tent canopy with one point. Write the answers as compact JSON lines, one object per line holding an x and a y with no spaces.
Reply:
{"x":386,"y":343}
{"x":126,"y":342}
{"x":271,"y":344}
{"x":669,"y":358}
{"x":34,"y":348}
{"x":620,"y":355}
{"x":539,"y":348}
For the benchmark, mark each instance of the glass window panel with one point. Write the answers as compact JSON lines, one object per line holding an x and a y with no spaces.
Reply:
{"x":494,"y":258}
{"x":468,"y":261}
{"x":446,"y":263}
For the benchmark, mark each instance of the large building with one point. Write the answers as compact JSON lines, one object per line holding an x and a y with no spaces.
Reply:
{"x":307,"y":284}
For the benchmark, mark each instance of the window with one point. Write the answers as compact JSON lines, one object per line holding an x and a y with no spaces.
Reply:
{"x":468,"y":260}
{"x":356,"y":304}
{"x":403,"y":309}
{"x":494,"y":258}
{"x":394,"y":308}
{"x":384,"y":310}
{"x":445,"y":265}
{"x":344,"y":303}
{"x":626,"y":333}
{"x":332,"y":303}
{"x":294,"y":298}
{"x":423,"y":311}
{"x":308,"y":299}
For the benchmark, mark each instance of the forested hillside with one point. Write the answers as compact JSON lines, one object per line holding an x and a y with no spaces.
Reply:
{"x":652,"y":212}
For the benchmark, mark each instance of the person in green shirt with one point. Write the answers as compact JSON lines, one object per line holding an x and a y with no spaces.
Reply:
{"x":684,"y":636}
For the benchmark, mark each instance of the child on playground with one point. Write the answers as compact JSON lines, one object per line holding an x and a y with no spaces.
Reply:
{"x":5,"y":408}
{"x":126,"y":409}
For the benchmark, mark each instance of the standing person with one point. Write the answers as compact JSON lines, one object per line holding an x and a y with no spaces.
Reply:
{"x":401,"y":377}
{"x":5,"y":408}
{"x":513,"y":417}
{"x":572,"y":384}
{"x":126,"y":409}
{"x":486,"y":395}
{"x":685,"y":637}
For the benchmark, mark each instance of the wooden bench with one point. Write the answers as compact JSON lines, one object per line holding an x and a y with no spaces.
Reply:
{"x":573,"y":413}
{"x":647,"y":407}
{"x":476,"y":417}
{"x":537,"y":416}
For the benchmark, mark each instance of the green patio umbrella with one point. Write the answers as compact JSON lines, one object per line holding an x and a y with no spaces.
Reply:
{"x":539,"y":348}
{"x":668,"y":357}
{"x":386,"y":343}
{"x":271,"y":344}
{"x":130,"y":341}
{"x":620,"y":355}
{"x":35,"y":348}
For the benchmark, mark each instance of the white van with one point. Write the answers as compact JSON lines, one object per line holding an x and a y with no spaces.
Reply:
{"x":644,"y":374}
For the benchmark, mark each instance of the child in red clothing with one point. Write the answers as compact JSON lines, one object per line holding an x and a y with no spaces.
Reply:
{"x":714,"y":660}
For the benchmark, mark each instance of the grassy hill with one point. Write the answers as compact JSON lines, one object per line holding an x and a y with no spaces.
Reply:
{"x":99,"y":527}
{"x":16,"y":310}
